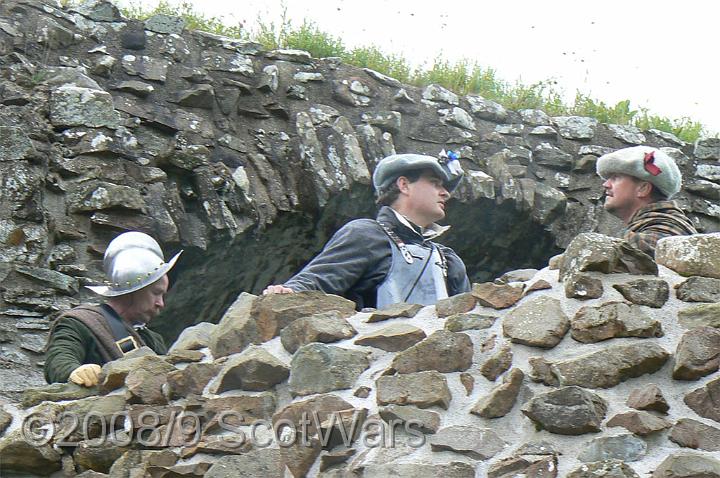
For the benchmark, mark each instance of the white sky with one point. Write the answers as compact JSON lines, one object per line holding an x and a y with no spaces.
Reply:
{"x":659,"y":54}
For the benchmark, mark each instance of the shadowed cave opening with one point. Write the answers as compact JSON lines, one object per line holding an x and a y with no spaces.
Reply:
{"x":491,"y":238}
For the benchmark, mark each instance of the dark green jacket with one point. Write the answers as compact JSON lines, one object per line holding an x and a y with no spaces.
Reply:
{"x":72,"y":344}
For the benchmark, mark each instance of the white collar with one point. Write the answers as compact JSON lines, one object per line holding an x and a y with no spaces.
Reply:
{"x":431,"y":232}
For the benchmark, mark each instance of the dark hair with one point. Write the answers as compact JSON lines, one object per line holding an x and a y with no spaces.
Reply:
{"x":657,"y":195}
{"x":391,"y":193}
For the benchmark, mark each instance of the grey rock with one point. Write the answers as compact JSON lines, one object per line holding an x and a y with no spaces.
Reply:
{"x":704,"y":188}
{"x":293,"y":55}
{"x":518,"y":275}
{"x":627,"y":133}
{"x":58,"y":281}
{"x":424,"y":420}
{"x":274,"y":312}
{"x":500,"y":401}
{"x":165,"y":24}
{"x":544,"y":131}
{"x":20,"y":456}
{"x":422,"y":389}
{"x":691,"y":433}
{"x":699,"y":289}
{"x":99,"y":196}
{"x":548,"y":203}
{"x":593,"y":149}
{"x":514,"y":466}
{"x":458,"y":117}
{"x":583,"y":286}
{"x":386,"y":120}
{"x":147,"y":68}
{"x":195,"y":337}
{"x":200,"y":96}
{"x":98,"y":10}
{"x":456,"y":304}
{"x":477,"y":443}
{"x":553,"y":157}
{"x":639,"y":422}
{"x":15,"y":144}
{"x":697,"y":354}
{"x":592,"y":252}
{"x":685,"y":465}
{"x":497,"y":364}
{"x":384,"y":79}
{"x":393,"y":338}
{"x":418,"y":470}
{"x":537,"y":448}
{"x":469,"y":321}
{"x":145,"y":385}
{"x":306,"y":76}
{"x":239,"y":410}
{"x":114,"y":373}
{"x":77,"y":106}
{"x":535,"y":117}
{"x":696,"y":255}
{"x":705,"y":401}
{"x":54,"y":393}
{"x":649,"y":292}
{"x":576,"y":127}
{"x":269,"y":80}
{"x":443,"y":351}
{"x":649,"y":397}
{"x":538,"y":322}
{"x":254,"y":369}
{"x":237,"y":328}
{"x":613,"y":319}
{"x":567,"y":411}
{"x":438,"y":93}
{"x":137,"y":88}
{"x":710,"y":172}
{"x":608,"y":367}
{"x":486,"y":109}
{"x":190,"y":380}
{"x":259,"y":462}
{"x":325,"y":327}
{"x":604,"y":469}
{"x":701,"y":315}
{"x":621,"y":447}
{"x":510,"y":129}
{"x":340,"y":369}
{"x":707,"y":148}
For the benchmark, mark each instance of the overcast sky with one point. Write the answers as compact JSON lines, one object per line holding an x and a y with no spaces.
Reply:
{"x":659,"y":54}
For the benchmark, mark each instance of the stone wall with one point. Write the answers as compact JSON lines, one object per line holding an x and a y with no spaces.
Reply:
{"x":604,"y":364}
{"x":249,"y":160}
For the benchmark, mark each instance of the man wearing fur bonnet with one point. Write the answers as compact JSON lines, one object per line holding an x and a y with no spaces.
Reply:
{"x":639,"y":183}
{"x":87,"y":336}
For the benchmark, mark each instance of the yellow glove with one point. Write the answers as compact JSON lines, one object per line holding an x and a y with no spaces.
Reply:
{"x":86,"y":375}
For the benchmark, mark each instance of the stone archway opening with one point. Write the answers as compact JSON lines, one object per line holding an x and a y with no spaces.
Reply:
{"x":491,"y":238}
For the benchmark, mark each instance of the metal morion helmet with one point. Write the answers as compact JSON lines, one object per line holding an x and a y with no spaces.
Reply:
{"x":446,"y":166}
{"x":132,"y":260}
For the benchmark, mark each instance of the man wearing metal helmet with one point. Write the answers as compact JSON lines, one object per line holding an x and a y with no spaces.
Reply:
{"x":639,"y":183}
{"x":87,"y":336}
{"x":394,"y":258}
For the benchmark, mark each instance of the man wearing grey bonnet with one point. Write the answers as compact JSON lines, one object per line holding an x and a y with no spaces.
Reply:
{"x":87,"y":336}
{"x":393,"y":258}
{"x":639,"y":183}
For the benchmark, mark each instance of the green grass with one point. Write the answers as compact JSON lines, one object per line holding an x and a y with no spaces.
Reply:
{"x":463,"y":77}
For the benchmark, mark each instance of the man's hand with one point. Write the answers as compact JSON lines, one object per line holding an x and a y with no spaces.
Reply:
{"x":86,"y":375}
{"x":277,"y":289}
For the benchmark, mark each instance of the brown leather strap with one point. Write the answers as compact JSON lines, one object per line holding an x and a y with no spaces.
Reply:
{"x":93,"y":317}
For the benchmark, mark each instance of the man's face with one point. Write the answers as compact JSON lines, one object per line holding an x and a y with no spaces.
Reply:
{"x":621,"y":195}
{"x":147,"y":302}
{"x":427,"y":197}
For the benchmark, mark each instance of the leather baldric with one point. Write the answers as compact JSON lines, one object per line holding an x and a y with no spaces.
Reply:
{"x":113,"y":337}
